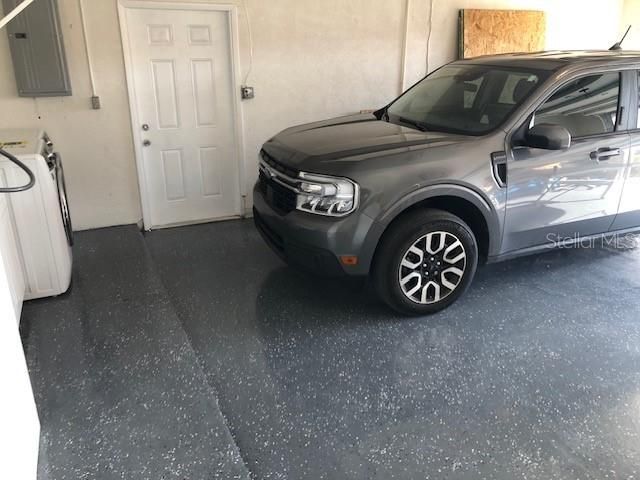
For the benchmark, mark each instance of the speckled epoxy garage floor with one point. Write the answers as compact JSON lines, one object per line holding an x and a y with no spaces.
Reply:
{"x":194,"y":353}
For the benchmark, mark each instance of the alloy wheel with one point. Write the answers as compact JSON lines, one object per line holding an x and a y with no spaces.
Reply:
{"x":432,"y":268}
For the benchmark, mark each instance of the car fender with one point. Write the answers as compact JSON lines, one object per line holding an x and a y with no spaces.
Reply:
{"x":464,"y":192}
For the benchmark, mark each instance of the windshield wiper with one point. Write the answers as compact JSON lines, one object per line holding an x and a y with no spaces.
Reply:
{"x":415,"y":124}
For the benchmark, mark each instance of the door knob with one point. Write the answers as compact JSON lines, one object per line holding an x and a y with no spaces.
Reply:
{"x":146,"y":143}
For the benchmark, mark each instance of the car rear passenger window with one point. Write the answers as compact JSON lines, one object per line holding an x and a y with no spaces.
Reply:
{"x":586,"y":106}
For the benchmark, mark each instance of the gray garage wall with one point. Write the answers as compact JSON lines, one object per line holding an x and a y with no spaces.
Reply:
{"x":312,"y":59}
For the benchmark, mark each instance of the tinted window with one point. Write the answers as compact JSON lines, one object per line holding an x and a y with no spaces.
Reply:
{"x":467,"y":99}
{"x":471,"y":92}
{"x":516,"y":86}
{"x":586,"y":106}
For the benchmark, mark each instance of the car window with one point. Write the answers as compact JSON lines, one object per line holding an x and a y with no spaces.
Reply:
{"x":471,"y":92}
{"x":466,"y":99}
{"x":586,"y":106}
{"x":516,"y":86}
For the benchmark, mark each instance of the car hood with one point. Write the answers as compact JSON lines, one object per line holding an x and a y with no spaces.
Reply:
{"x":316,"y":146}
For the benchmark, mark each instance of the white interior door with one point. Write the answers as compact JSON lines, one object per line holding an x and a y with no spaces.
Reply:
{"x":180,"y":69}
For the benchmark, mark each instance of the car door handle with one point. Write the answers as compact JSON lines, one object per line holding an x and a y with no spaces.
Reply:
{"x":604,"y":154}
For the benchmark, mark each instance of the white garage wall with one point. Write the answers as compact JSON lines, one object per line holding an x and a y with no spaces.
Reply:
{"x":312,"y":59}
{"x":631,"y":16}
{"x":96,"y":145}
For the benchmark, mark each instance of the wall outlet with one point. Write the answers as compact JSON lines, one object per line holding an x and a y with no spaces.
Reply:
{"x":95,"y":103}
{"x":247,"y":92}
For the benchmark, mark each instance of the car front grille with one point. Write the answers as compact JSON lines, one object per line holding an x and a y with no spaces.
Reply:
{"x":282,"y":199}
{"x":276,"y":165}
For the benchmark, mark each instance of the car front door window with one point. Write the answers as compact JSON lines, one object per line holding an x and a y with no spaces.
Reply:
{"x":586,"y":106}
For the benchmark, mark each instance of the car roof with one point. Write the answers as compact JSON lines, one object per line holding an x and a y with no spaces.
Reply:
{"x":555,"y":60}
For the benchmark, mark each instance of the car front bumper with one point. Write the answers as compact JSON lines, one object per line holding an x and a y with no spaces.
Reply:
{"x":313,"y":242}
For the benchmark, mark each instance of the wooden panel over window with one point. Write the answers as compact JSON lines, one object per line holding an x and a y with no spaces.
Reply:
{"x":488,"y":32}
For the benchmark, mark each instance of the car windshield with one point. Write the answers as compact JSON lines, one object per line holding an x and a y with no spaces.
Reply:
{"x":465,"y":99}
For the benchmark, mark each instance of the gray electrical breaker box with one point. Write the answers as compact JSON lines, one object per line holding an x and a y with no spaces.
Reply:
{"x":35,"y":40}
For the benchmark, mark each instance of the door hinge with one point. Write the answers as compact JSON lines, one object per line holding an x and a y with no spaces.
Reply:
{"x":499,"y":167}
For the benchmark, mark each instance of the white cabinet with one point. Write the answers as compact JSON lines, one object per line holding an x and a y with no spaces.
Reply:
{"x":11,"y":258}
{"x":19,"y":425}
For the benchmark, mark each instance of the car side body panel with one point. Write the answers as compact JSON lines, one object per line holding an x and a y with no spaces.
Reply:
{"x":398,"y":167}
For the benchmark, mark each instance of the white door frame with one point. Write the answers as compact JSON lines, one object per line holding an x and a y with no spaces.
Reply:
{"x":203,"y":5}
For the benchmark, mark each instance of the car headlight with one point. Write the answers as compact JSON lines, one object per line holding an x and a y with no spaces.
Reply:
{"x":325,"y":195}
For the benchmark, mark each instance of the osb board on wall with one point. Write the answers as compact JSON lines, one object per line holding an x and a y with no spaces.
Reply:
{"x":487,"y":32}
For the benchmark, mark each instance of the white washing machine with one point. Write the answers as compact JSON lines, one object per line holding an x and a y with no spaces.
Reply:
{"x":43,"y":230}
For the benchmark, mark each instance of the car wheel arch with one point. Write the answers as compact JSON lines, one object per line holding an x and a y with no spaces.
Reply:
{"x":459,"y":200}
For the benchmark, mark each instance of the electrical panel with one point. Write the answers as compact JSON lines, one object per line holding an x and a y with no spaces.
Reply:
{"x":37,"y":50}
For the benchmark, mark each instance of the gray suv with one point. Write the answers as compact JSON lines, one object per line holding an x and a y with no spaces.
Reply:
{"x":483,"y":160}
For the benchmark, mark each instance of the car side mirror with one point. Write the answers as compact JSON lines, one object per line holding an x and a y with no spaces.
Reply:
{"x":548,"y":137}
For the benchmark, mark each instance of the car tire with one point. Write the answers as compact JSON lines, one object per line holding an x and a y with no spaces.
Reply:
{"x":417,"y":278}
